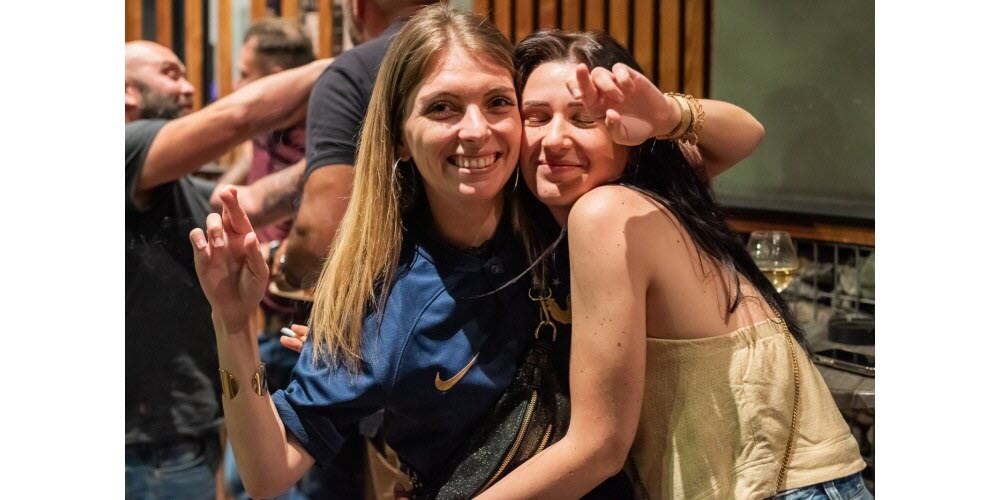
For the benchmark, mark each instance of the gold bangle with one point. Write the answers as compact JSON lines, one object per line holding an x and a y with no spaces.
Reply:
{"x":691,"y":136}
{"x":230,"y":387}
{"x":683,"y":124}
{"x":258,"y":383}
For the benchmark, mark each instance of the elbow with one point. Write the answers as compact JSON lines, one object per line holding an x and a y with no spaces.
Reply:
{"x":613,"y":456}
{"x":606,"y":454}
{"x":757,"y":132}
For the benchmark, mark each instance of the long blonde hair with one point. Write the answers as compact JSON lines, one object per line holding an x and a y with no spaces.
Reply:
{"x":357,"y":277}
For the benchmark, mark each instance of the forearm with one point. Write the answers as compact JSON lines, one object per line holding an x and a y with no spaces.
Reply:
{"x":275,"y":195}
{"x":729,"y":135}
{"x":568,"y":469}
{"x":257,"y":434}
{"x":184,"y":144}
{"x":325,"y":197}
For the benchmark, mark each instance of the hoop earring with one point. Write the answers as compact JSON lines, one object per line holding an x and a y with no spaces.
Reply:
{"x":517,"y":176}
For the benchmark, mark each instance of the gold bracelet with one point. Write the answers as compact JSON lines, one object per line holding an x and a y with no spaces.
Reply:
{"x":258,"y":383}
{"x":691,"y":136}
{"x":230,"y":387}
{"x":685,"y":122}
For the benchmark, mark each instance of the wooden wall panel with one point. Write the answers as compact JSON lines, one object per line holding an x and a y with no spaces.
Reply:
{"x":669,"y":75}
{"x":325,"y":35}
{"x":482,"y":7}
{"x":193,"y":38}
{"x":133,"y":20}
{"x":619,"y":25}
{"x":643,"y":32}
{"x":570,"y":15}
{"x":593,"y":18}
{"x":694,"y":47}
{"x":547,"y":14}
{"x":165,"y":23}
{"x":502,"y":17}
{"x":524,"y":23}
{"x":224,"y":49}
{"x":290,"y":8}
{"x":258,"y":10}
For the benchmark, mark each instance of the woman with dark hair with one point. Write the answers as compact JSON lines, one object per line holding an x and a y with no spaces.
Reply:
{"x":684,"y":356}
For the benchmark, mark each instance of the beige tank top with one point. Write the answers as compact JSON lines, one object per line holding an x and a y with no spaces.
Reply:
{"x":716,"y":413}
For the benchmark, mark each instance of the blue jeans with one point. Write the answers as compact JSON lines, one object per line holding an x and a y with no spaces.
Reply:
{"x":183,"y":469}
{"x":846,"y":488}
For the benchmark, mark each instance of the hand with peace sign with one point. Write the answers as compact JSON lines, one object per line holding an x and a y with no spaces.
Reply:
{"x":231,"y":269}
{"x":632,"y":108}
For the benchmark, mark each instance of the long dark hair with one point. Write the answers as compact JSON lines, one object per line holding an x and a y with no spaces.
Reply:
{"x":655,"y":168}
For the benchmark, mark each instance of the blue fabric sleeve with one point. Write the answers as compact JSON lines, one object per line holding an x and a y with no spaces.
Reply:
{"x":322,"y":400}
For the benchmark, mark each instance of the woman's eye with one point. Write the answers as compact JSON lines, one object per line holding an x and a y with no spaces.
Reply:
{"x":438,"y":108}
{"x":585,"y":119}
{"x":535,"y":119}
{"x":500,"y":102}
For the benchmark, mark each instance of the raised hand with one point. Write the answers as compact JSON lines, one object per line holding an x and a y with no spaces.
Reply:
{"x":632,"y":108}
{"x":231,"y":269}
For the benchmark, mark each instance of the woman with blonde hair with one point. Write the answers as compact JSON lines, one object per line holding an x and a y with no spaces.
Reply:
{"x":403,"y":320}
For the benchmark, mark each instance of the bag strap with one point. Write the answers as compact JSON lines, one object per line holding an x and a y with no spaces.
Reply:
{"x":795,"y":408}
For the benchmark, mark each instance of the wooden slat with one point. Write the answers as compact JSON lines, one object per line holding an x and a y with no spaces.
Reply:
{"x":224,"y":49}
{"x":325,"y":34}
{"x":258,"y":10}
{"x":694,"y":47}
{"x":193,"y":38}
{"x":482,"y":7}
{"x":570,"y":15}
{"x":524,"y":23}
{"x":502,"y":17}
{"x":290,"y":8}
{"x":815,"y":231}
{"x":547,"y":12}
{"x":618,"y":25}
{"x":594,"y":15}
{"x":165,"y":23}
{"x":643,"y":47}
{"x":133,"y":20}
{"x":669,"y":44}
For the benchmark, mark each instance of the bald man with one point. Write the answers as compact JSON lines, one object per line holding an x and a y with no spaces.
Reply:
{"x":172,"y":407}
{"x":156,"y":84}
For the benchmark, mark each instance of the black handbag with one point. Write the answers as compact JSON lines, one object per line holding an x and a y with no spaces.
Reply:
{"x":531,"y":414}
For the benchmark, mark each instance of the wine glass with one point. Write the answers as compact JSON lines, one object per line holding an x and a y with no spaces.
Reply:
{"x":774,"y":253}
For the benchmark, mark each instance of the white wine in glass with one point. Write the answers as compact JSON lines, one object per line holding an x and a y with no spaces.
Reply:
{"x":775,"y":255}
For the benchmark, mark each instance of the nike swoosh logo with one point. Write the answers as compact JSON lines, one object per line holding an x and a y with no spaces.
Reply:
{"x":444,"y":385}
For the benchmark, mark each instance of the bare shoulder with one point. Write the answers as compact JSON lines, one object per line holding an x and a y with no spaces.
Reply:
{"x":618,"y":209}
{"x":609,"y":205}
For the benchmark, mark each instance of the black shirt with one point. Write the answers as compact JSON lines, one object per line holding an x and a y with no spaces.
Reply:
{"x":339,"y":100}
{"x":171,"y":366}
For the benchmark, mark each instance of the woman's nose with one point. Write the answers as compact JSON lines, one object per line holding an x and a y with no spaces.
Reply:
{"x":474,"y":126}
{"x":555,"y":137}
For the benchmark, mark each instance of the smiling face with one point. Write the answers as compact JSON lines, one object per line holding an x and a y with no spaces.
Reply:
{"x":462,"y":129}
{"x":565,"y":152}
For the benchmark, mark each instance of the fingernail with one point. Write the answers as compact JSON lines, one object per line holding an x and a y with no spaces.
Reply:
{"x":576,"y":92}
{"x":217,"y":241}
{"x":199,"y":241}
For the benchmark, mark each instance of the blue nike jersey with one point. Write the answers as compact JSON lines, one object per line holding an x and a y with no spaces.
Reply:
{"x":440,"y":360}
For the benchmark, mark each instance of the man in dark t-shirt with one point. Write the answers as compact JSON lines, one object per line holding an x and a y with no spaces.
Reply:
{"x":172,"y":409}
{"x":337,"y":107}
